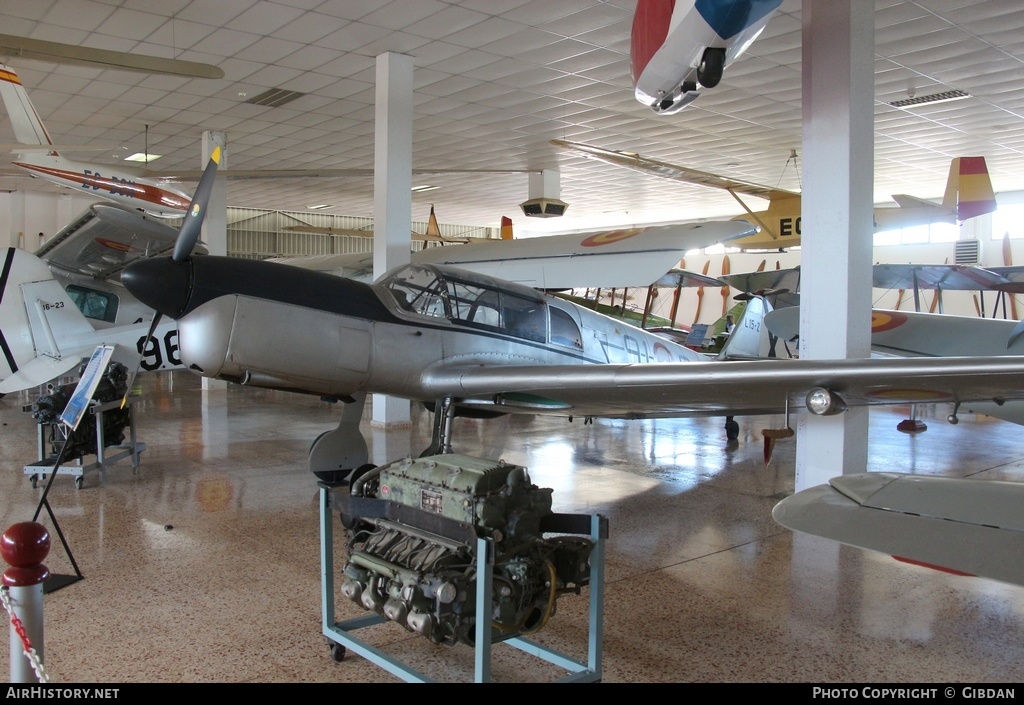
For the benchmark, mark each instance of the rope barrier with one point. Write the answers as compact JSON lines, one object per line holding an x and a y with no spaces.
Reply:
{"x":26,"y":644}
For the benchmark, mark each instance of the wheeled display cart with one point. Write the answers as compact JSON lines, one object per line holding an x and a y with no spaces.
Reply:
{"x":341,"y":634}
{"x":105,"y":455}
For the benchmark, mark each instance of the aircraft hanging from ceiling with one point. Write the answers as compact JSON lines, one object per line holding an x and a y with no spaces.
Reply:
{"x":456,"y":339}
{"x":968,"y":194}
{"x":146,"y":191}
{"x":39,"y":157}
{"x":678,"y":48}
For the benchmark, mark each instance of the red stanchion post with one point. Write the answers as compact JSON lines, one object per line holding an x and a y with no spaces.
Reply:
{"x":24,"y":546}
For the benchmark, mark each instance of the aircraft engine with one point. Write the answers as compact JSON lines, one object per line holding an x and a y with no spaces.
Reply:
{"x":412,"y":530}
{"x":46,"y":410}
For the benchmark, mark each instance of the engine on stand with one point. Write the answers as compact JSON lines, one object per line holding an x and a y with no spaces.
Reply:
{"x":46,"y":410}
{"x":413,"y":528}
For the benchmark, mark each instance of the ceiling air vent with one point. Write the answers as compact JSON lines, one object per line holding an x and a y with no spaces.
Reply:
{"x":927,"y":99}
{"x":968,"y":251}
{"x":275,"y":97}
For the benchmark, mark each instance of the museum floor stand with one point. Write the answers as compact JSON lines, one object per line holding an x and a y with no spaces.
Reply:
{"x":203,"y":565}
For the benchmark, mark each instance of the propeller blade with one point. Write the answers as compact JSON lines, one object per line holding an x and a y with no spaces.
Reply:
{"x":145,"y":343}
{"x":188,"y":236}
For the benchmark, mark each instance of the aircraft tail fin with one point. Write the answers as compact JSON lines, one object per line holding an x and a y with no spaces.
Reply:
{"x":969,"y":188}
{"x":37,"y":320}
{"x":28,"y":128}
{"x":432,"y":227}
{"x":506,"y":228}
{"x":749,"y":337}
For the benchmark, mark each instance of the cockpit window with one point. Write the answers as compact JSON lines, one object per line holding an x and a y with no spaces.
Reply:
{"x":94,"y":304}
{"x":564,"y":330}
{"x":417,"y":289}
{"x":470,"y":303}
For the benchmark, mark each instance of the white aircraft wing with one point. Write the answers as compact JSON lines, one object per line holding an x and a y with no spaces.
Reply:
{"x":613,"y":259}
{"x":101,"y":241}
{"x":723,"y":388}
{"x":972,"y":527}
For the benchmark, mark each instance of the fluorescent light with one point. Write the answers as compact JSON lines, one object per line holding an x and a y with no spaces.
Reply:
{"x":421,"y":189}
{"x":319,"y":207}
{"x":943,"y":97}
{"x":140,"y":157}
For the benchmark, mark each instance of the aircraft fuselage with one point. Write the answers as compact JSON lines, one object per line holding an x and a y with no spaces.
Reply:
{"x":338,"y":337}
{"x":129,"y":189}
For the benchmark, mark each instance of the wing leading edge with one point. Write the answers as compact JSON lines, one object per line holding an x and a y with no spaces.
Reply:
{"x":731,"y":387}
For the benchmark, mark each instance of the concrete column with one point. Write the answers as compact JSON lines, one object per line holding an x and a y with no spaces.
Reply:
{"x":215,"y":222}
{"x":8,"y":226}
{"x":392,"y":190}
{"x":837,"y":226}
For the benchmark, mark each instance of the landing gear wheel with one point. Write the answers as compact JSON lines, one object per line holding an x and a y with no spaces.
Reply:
{"x":732,"y":429}
{"x":338,"y":652}
{"x":78,"y":482}
{"x":709,"y":71}
{"x":34,"y":479}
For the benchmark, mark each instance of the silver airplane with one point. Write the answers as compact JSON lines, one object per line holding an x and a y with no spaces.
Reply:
{"x":466,"y":341}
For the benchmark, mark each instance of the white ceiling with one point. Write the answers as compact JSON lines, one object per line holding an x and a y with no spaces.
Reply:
{"x":495,"y":80}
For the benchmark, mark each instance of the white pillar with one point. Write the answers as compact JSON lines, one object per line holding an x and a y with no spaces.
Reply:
{"x":215,"y":222}
{"x":837,"y":225}
{"x":8,"y":224}
{"x":392,"y":190}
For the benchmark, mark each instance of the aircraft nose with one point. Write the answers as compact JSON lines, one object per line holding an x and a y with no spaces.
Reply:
{"x":161,"y":283}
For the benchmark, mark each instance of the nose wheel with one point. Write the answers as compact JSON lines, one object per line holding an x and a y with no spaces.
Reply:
{"x":712,"y":64}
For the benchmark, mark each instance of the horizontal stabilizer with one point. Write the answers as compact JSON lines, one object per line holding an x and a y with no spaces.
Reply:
{"x":906,"y":201}
{"x":37,"y":372}
{"x":972,"y":527}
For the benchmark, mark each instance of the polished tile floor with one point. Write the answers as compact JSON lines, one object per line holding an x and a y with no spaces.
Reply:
{"x":204,"y":564}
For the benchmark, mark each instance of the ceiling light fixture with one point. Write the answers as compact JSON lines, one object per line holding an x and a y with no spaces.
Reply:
{"x":943,"y":97}
{"x":319,"y":207}
{"x":421,"y":189}
{"x":140,"y":157}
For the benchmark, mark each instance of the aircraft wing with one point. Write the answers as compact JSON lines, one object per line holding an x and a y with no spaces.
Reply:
{"x":632,"y":160}
{"x":1014,"y":276}
{"x":723,"y":388}
{"x":971,"y":527}
{"x":949,"y":277}
{"x":768,"y":280}
{"x":618,"y":258}
{"x":613,"y":259}
{"x":101,"y":241}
